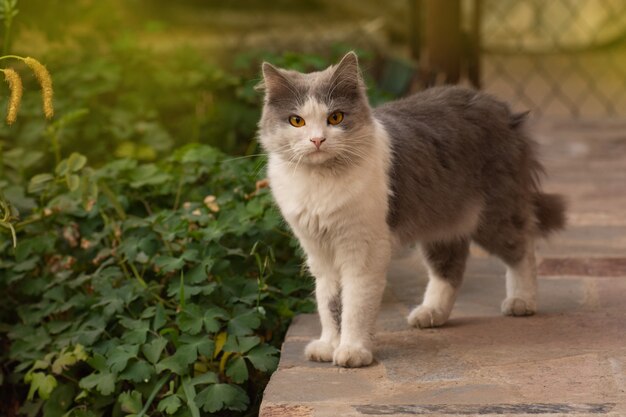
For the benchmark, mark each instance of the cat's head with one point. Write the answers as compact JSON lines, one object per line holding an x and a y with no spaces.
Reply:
{"x":319,"y":118}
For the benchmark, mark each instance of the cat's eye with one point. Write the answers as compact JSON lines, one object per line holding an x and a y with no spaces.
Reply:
{"x":335,"y":118}
{"x":296,"y":121}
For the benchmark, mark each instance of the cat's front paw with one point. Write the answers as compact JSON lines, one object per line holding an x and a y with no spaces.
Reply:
{"x":319,"y":351}
{"x":352,"y":356}
{"x":424,"y":316}
{"x":515,"y":306}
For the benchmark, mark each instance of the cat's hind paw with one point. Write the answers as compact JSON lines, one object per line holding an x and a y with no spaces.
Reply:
{"x":515,"y":306}
{"x":424,"y":317}
{"x":319,"y":351}
{"x":352,"y":356}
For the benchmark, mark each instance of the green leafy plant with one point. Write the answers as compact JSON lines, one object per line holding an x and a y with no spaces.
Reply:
{"x":141,"y":105}
{"x":146,"y":289}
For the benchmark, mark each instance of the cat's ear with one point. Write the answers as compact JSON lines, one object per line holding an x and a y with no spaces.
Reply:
{"x":275,"y":84}
{"x":347,"y":76}
{"x":348,"y":64}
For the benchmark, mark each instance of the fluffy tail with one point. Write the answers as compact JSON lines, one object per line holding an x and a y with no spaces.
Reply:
{"x":550,"y":212}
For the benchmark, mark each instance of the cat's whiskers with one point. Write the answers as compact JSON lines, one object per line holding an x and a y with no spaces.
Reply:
{"x":297,"y":163}
{"x":245,"y":157}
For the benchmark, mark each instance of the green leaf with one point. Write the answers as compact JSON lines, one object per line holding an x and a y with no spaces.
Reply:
{"x":39,"y":182}
{"x":168,"y":263}
{"x":135,"y":336}
{"x":237,"y":370}
{"x":119,"y":357}
{"x":139,"y":371}
{"x":148,"y":174}
{"x":243,"y":324}
{"x":169,"y":404}
{"x":210,"y":319}
{"x":76,"y":162}
{"x":73,"y":182}
{"x":28,"y":265}
{"x":160,"y":317}
{"x":206,"y":378}
{"x":201,"y":342}
{"x":179,"y":361}
{"x":222,"y":396}
{"x":241,"y":344}
{"x":40,"y":383}
{"x":62,"y":168}
{"x":190,"y":320}
{"x":67,"y":359}
{"x":137,"y":333}
{"x":190,"y":395}
{"x":98,"y":362}
{"x":103,"y":382}
{"x":264,"y":357}
{"x":152,"y":351}
{"x":130,"y":401}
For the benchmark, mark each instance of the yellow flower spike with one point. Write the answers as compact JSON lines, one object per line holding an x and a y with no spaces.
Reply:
{"x":45,"y":81}
{"x":15,"y":85}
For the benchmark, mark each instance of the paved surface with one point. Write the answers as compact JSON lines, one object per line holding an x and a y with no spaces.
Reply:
{"x":568,"y":360}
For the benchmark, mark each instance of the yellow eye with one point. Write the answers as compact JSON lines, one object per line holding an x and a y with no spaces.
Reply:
{"x":335,"y":118}
{"x":296,"y":121}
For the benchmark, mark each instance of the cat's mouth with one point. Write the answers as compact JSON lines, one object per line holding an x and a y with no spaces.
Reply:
{"x":318,"y":156}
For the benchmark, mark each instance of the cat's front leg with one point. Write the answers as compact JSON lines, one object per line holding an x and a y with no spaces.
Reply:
{"x":328,"y":297}
{"x":363,"y":282}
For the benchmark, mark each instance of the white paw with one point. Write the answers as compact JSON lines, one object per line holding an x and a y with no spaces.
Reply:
{"x":514,"y":306}
{"x":319,"y":351}
{"x":352,"y":356}
{"x":425,"y":316}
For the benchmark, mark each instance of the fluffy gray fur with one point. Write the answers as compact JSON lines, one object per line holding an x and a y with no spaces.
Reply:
{"x":454,"y":147}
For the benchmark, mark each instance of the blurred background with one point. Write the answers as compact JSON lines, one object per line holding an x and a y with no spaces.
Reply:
{"x":137,"y":77}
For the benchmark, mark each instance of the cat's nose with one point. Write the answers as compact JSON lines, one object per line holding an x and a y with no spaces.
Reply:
{"x":318,"y":141}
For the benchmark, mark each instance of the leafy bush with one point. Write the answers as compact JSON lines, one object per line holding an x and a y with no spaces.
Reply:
{"x":139,"y":104}
{"x":145,"y":289}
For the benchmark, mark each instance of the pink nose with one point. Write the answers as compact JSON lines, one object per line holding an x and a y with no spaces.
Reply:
{"x":318,"y":142}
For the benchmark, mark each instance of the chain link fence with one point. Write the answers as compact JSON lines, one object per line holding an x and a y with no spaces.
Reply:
{"x":561,"y":58}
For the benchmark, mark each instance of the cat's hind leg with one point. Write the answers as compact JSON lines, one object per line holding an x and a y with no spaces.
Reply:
{"x":513,"y":242}
{"x":521,"y":284}
{"x":446,"y":263}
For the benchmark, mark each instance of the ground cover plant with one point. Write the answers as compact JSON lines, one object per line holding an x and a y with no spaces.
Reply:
{"x":145,"y":289}
{"x":138,"y":288}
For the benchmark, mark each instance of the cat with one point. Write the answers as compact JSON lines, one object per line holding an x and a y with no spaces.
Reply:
{"x":440,"y":169}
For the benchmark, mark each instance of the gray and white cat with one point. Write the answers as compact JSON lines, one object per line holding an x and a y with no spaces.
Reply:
{"x":440,"y":168}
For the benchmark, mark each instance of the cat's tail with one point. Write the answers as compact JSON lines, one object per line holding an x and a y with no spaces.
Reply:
{"x":549,"y":212}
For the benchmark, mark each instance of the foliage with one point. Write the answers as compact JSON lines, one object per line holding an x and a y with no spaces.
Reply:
{"x":145,"y":288}
{"x":139,"y":104}
{"x":131,"y":102}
